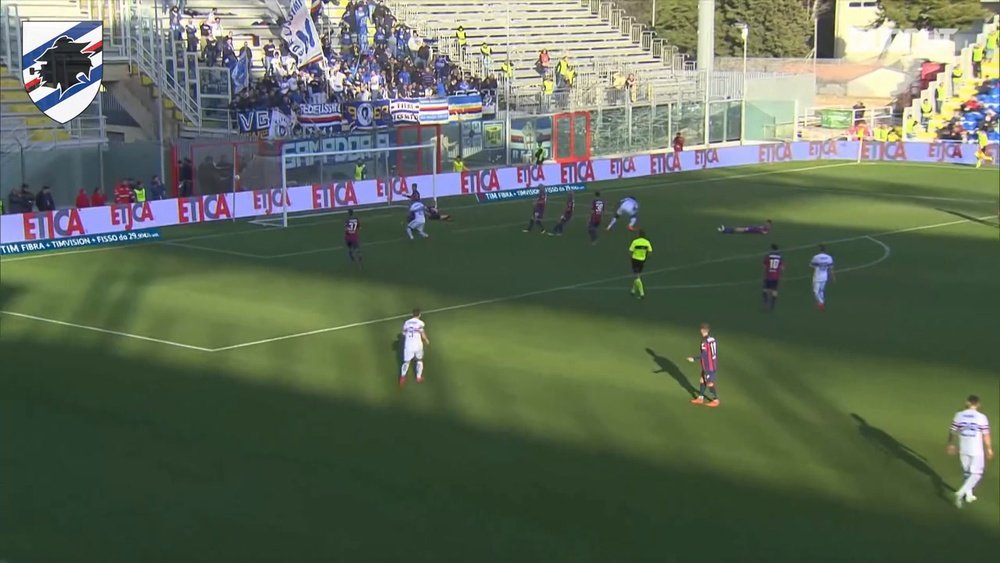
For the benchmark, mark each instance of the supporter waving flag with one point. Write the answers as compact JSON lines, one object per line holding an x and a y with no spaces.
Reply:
{"x":301,"y":34}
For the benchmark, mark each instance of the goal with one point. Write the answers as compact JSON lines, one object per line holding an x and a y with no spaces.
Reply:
{"x":388,"y":174}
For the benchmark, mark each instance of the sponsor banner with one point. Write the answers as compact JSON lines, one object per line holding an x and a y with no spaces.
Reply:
{"x":254,"y":121}
{"x":66,"y":223}
{"x":320,"y":116}
{"x":465,"y":107}
{"x":405,"y":110}
{"x":365,"y":116}
{"x":69,"y":243}
{"x":433,"y":111}
{"x":527,"y":193}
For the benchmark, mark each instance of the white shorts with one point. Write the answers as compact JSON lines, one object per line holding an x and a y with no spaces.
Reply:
{"x":629,"y":210}
{"x":819,"y":286}
{"x":416,"y":224}
{"x":411,"y":352}
{"x":973,"y":464}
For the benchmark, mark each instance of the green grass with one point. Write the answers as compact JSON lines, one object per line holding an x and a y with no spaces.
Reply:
{"x":554,"y":425}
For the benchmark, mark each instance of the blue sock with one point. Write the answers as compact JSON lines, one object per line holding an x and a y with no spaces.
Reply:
{"x":715,"y":394}
{"x":592,"y":231}
{"x":701,"y":390}
{"x":531,"y":224}
{"x":727,"y":230}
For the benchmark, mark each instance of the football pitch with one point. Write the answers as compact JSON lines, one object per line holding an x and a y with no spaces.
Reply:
{"x":229,"y":394}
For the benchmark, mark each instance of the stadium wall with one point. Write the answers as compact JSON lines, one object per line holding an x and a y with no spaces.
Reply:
{"x":66,"y":223}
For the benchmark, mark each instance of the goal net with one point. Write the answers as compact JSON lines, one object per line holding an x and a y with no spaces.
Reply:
{"x":336,"y":180}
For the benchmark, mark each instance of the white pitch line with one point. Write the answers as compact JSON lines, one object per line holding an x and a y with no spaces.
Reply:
{"x":215,"y":250}
{"x":848,"y":191}
{"x":106,"y":331}
{"x":886,"y":252}
{"x":579,"y":285}
{"x":320,"y":223}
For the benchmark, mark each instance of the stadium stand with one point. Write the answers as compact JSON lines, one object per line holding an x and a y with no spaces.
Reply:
{"x":964,"y":98}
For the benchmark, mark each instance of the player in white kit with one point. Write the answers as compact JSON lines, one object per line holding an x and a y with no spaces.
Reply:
{"x":628,"y":206}
{"x":822,"y":265}
{"x":974,"y":447}
{"x":414,"y":338}
{"x":416,"y":218}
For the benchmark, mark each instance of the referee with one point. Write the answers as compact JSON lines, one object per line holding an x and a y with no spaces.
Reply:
{"x":639,"y":250}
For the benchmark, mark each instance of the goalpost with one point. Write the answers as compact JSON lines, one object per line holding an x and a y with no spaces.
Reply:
{"x":386,"y":164}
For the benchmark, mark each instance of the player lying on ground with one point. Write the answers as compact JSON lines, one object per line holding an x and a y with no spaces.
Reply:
{"x":434,"y":214}
{"x":628,"y":206}
{"x":748,"y":229}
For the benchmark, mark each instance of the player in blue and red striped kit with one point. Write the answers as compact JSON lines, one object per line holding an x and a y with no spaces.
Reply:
{"x":748,"y":230}
{"x":774,"y":266}
{"x":352,"y":230}
{"x":538,"y":212}
{"x":708,"y":358}
{"x":596,"y":216}
{"x":566,"y":216}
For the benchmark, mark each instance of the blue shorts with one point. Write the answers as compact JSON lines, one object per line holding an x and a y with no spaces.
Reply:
{"x":708,"y":376}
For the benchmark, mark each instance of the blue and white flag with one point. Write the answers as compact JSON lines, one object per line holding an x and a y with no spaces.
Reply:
{"x":405,"y":110}
{"x":240,"y":73}
{"x":301,"y":35}
{"x":62,"y":64}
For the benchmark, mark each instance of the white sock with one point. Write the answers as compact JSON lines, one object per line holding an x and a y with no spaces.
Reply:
{"x":420,"y":369}
{"x":404,"y":369}
{"x":409,"y":233}
{"x":420,"y":230}
{"x":632,"y":221}
{"x":612,"y":222}
{"x":970,"y":483}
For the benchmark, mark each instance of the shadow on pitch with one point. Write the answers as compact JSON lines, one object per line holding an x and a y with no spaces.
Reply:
{"x":670,"y":368}
{"x":967,"y":217}
{"x":891,"y":446}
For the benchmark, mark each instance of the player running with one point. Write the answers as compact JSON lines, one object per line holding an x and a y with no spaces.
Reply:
{"x":708,"y":358}
{"x":822,"y":265}
{"x":774,"y":266}
{"x":983,"y":140}
{"x":414,"y":339}
{"x":639,"y":250}
{"x":566,"y":216}
{"x":352,"y":231}
{"x":416,"y":219}
{"x":539,"y":211}
{"x":596,"y":215}
{"x":628,"y":206}
{"x":974,"y":447}
{"x":748,"y":229}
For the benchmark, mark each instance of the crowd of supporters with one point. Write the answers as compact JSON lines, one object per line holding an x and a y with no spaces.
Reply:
{"x":368,"y":55}
{"x":979,"y":113}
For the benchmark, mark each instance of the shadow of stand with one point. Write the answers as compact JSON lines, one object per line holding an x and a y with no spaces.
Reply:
{"x":893,"y":447}
{"x":671,"y":369}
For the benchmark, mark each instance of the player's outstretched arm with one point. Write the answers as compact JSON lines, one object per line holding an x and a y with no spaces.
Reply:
{"x":988,"y":444}
{"x":423,"y":336}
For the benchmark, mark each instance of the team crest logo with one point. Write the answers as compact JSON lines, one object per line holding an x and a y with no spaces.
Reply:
{"x":62,"y":65}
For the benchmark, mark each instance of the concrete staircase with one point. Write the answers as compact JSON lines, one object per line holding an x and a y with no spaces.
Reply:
{"x":598,"y":38}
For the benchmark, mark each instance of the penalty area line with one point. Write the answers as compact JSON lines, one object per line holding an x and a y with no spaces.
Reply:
{"x":106,"y":331}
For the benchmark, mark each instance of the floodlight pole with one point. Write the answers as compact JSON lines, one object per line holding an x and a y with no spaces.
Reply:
{"x":745,"y":34}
